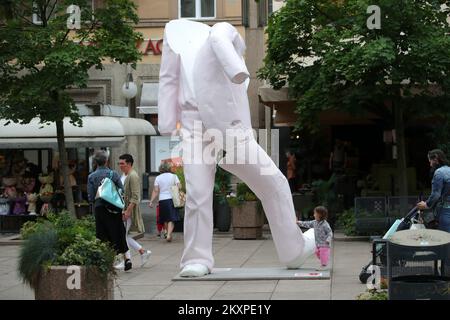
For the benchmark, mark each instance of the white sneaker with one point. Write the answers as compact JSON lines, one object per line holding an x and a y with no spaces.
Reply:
{"x":144,"y":257}
{"x":194,"y":270}
{"x":120,"y":265}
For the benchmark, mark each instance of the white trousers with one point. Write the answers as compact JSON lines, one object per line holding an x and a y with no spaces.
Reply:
{"x":262,"y":176}
{"x":132,"y":244}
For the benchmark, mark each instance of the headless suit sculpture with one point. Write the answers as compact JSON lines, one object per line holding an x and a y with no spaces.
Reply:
{"x":203,"y":86}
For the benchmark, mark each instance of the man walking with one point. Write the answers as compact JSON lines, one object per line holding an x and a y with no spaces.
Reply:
{"x":131,"y":214}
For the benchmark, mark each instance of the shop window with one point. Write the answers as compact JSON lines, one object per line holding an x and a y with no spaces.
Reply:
{"x":197,"y":9}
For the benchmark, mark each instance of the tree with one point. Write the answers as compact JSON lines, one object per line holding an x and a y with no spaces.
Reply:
{"x":40,"y":61}
{"x":332,"y":55}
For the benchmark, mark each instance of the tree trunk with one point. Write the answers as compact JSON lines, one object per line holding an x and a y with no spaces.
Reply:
{"x":64,"y":166}
{"x":401,"y":149}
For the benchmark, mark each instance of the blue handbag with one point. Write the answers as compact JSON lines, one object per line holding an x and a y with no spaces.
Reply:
{"x":109,"y":192}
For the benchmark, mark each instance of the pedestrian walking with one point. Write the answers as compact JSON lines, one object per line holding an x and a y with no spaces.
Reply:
{"x":108,"y":224}
{"x":168,"y":214}
{"x":132,"y":215}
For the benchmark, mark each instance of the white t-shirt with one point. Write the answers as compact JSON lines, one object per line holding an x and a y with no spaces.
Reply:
{"x":122,"y":179}
{"x":164,"y":181}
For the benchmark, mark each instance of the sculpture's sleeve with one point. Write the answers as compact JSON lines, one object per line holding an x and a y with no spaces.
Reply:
{"x":225,"y":41}
{"x":168,"y":105}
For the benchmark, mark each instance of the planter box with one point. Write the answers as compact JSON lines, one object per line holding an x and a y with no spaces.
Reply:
{"x":56,"y":283}
{"x":247,"y":220}
{"x":13,"y":223}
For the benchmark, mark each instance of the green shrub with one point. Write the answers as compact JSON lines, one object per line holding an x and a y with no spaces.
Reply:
{"x":88,"y":252}
{"x":346,"y":221}
{"x":243,"y":193}
{"x":40,"y":248}
{"x":373,"y":294}
{"x":61,"y":239}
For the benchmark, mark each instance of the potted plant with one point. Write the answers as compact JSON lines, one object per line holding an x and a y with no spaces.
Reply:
{"x":247,"y":213}
{"x":222,"y":188}
{"x":61,"y":258}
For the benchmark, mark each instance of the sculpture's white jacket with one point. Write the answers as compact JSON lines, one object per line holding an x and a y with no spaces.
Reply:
{"x":205,"y":73}
{"x":219,"y":80}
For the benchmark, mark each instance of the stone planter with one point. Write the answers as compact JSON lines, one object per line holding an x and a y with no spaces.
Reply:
{"x":247,"y":220}
{"x":71,"y":283}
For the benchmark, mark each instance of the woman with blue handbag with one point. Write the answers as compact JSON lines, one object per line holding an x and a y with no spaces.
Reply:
{"x":108,"y":218}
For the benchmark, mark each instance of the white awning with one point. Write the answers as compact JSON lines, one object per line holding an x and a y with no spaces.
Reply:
{"x":149,"y":98}
{"x":96,"y":131}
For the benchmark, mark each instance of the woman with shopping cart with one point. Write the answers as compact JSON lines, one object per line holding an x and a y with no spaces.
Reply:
{"x":439,"y":198}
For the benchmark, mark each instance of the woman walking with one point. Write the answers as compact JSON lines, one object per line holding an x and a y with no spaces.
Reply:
{"x":168,"y":214}
{"x":439,"y":200}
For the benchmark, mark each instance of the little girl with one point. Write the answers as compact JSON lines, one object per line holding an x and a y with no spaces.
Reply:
{"x":322,"y":234}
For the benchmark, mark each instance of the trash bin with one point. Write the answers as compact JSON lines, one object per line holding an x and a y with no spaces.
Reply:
{"x":418,"y":265}
{"x":419,"y":287}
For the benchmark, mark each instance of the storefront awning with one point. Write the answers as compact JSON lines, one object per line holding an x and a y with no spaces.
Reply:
{"x":97,"y":131}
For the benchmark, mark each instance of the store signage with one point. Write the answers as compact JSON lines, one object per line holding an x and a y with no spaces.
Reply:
{"x":150,"y":47}
{"x":147,"y":47}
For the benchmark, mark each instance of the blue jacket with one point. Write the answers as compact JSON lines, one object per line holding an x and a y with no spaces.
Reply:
{"x":440,"y":186}
{"x":95,"y":179}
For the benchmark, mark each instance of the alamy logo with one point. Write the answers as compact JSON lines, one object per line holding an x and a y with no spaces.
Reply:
{"x":74,"y":280}
{"x":374,"y":21}
{"x":374,"y":280}
{"x":74,"y":19}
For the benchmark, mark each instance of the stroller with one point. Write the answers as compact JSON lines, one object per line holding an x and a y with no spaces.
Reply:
{"x":412,"y":220}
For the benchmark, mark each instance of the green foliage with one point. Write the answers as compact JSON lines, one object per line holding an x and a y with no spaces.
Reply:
{"x":373,"y":294}
{"x":222,"y":184}
{"x":39,"y":248}
{"x":180,"y":174}
{"x":346,"y":221}
{"x":38,"y":62}
{"x":324,"y":190}
{"x":62,"y":239}
{"x":87,"y":252}
{"x":332,"y":60}
{"x":441,"y":136}
{"x":243,"y":193}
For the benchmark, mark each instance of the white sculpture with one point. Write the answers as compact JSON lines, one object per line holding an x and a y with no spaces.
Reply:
{"x":203,"y":80}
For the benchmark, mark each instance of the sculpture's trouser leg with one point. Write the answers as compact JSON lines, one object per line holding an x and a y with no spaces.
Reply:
{"x":252,"y":165}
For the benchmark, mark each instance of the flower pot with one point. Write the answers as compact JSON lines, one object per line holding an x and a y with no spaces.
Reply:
{"x":73,"y":283}
{"x":248,"y":220}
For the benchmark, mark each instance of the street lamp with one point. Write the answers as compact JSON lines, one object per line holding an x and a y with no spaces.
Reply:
{"x":129,"y":91}
{"x":129,"y":88}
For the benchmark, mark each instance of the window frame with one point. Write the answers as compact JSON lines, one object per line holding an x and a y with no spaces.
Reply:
{"x":198,"y":11}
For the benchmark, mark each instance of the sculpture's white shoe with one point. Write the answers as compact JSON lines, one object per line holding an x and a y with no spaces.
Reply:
{"x":194,"y":270}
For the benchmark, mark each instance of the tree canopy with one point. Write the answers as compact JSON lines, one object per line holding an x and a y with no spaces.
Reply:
{"x":40,"y":60}
{"x":326,"y":53}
